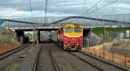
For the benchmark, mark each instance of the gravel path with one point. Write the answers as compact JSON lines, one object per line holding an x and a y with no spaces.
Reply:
{"x":12,"y":59}
{"x":102,"y":65}
{"x":29,"y":61}
{"x":45,"y":63}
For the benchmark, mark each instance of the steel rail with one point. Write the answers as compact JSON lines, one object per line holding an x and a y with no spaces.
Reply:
{"x":86,"y":61}
{"x":104,"y":61}
{"x":52,"y":58}
{"x":37,"y":60}
{"x":7,"y":54}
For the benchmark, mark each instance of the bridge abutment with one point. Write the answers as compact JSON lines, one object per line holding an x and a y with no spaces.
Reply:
{"x":38,"y":36}
{"x":20,"y":37}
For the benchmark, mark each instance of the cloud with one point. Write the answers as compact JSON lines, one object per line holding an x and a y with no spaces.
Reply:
{"x":64,"y":7}
{"x":17,"y":13}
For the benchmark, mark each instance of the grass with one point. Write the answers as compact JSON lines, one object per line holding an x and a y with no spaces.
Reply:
{"x":109,"y":32}
{"x":100,"y":30}
{"x":7,"y":41}
{"x":13,"y":67}
{"x":6,"y":37}
{"x":99,"y":56}
{"x":90,"y":53}
{"x":4,"y":33}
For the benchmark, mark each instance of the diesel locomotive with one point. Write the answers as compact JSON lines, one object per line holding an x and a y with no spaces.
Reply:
{"x":69,"y":36}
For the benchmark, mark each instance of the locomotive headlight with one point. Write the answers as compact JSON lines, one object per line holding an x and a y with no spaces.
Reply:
{"x":77,"y":44}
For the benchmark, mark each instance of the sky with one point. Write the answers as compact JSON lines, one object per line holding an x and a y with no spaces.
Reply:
{"x":21,"y":8}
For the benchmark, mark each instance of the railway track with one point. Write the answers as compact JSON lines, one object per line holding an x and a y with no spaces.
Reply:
{"x":51,"y":64}
{"x":29,"y":63}
{"x":11,"y":52}
{"x":67,"y":62}
{"x":37,"y":59}
{"x":52,"y":59}
{"x":98,"y":63}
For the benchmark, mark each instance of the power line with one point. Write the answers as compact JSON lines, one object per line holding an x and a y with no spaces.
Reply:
{"x":102,"y":7}
{"x":97,"y":8}
{"x":91,"y":7}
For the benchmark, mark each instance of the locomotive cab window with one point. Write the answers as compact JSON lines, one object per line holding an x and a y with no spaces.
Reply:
{"x":68,"y":30}
{"x":77,"y":29}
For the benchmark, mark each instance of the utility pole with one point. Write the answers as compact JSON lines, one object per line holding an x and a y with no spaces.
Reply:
{"x":45,"y":10}
{"x":33,"y":24}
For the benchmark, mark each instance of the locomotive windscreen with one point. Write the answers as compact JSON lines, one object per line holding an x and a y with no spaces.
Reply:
{"x":77,"y":29}
{"x":68,"y":29}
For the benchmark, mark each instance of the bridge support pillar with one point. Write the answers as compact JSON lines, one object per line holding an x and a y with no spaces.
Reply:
{"x":38,"y":36}
{"x":20,"y":36}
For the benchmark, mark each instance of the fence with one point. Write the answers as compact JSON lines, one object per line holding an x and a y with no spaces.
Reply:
{"x":10,"y":47}
{"x":109,"y":55}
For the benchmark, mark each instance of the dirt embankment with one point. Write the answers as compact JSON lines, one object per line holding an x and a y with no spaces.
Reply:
{"x":122,"y":45}
{"x":6,"y":37}
{"x":108,"y":43}
{"x":114,"y":51}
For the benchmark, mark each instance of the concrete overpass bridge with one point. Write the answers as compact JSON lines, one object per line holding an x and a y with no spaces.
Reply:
{"x":30,"y":25}
{"x":61,"y":20}
{"x":37,"y":29}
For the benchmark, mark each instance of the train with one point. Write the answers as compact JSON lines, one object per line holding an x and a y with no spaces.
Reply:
{"x":69,"y":36}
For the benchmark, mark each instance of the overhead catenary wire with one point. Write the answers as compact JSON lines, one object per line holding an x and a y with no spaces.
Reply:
{"x":97,"y":8}
{"x":102,"y":7}
{"x":89,"y":8}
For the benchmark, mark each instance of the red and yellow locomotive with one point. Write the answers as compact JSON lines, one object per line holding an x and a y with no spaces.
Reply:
{"x":70,"y":36}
